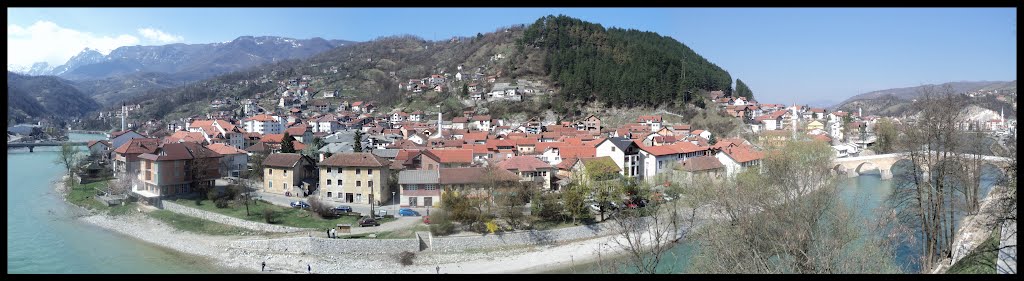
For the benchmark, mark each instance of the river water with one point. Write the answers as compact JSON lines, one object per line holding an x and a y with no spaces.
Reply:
{"x":41,"y":238}
{"x":865,"y":192}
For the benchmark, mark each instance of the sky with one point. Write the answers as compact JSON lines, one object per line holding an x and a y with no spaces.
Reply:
{"x":785,"y":55}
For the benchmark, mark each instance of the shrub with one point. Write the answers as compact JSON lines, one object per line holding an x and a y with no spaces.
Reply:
{"x":221,"y":202}
{"x":492,"y":227}
{"x":405,"y":258}
{"x":441,"y":224}
{"x":268,"y":215}
{"x":320,"y":208}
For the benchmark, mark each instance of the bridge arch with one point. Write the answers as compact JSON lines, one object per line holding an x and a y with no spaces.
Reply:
{"x":866,"y":166}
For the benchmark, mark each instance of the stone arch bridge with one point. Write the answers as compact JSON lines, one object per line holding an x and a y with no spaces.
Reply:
{"x":855,"y":166}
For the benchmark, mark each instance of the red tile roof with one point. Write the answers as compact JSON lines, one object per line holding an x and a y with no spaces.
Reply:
{"x":577,"y":152}
{"x":702,"y":163}
{"x":261,"y":118}
{"x":450,"y":155}
{"x":743,"y":154}
{"x":523,"y":163}
{"x":180,"y":151}
{"x":138,"y":146}
{"x":660,"y":150}
{"x":272,"y":138}
{"x":296,"y":130}
{"x":460,"y":120}
{"x":644,"y":118}
{"x":103,"y":142}
{"x":224,"y":149}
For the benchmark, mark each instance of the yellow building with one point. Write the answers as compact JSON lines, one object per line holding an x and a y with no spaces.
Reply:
{"x":290,"y":173}
{"x":356,"y":178}
{"x":815,"y":125}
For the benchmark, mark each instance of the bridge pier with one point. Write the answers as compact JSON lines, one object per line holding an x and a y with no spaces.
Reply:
{"x":886,"y":174}
{"x":31,"y":148}
{"x":852,"y":174}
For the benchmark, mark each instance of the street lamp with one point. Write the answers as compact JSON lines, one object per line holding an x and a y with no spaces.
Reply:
{"x":393,"y":201}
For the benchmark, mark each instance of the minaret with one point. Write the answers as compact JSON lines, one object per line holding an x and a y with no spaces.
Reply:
{"x":860,"y":112}
{"x":124,"y":114}
{"x":437,"y":134}
{"x":796,"y":117}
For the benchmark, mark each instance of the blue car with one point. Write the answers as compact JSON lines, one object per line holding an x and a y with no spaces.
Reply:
{"x":406,"y":212}
{"x":300,"y":204}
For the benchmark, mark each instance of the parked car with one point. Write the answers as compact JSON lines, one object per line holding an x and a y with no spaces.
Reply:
{"x":300,"y":204}
{"x":342,"y":209}
{"x":426,"y":219}
{"x":367,"y":221}
{"x":407,"y":212}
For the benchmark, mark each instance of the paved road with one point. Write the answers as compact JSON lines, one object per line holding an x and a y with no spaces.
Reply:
{"x":401,"y":223}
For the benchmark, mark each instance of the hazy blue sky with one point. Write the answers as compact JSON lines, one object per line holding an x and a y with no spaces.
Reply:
{"x":784,"y":55}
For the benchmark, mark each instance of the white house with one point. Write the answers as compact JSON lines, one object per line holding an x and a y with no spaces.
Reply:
{"x":624,"y":152}
{"x":99,"y":148}
{"x":264,"y":124}
{"x":735,"y":158}
{"x":327,"y":124}
{"x":772,"y":121}
{"x":416,"y":116}
{"x":651,"y":121}
{"x":658,"y":159}
{"x":235,"y":161}
{"x":481,"y":122}
{"x":458,"y":76}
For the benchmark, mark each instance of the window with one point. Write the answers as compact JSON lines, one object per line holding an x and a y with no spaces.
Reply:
{"x":328,"y":194}
{"x":328,"y":183}
{"x":285,"y":173}
{"x":430,"y":187}
{"x":270,"y":171}
{"x":369,"y":171}
{"x":369,"y":183}
{"x":359,"y":197}
{"x":357,"y":171}
{"x":613,"y":149}
{"x":271,"y":184}
{"x":358,"y":183}
{"x":339,"y":170}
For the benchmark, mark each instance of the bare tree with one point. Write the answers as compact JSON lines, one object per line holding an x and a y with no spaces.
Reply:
{"x":68,"y":157}
{"x":202,"y":169}
{"x":784,"y":217}
{"x":121,"y":185}
{"x":927,"y":197}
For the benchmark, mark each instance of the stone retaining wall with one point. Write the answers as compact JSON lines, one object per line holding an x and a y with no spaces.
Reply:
{"x":520,"y":238}
{"x":328,"y":246}
{"x":211,"y":216}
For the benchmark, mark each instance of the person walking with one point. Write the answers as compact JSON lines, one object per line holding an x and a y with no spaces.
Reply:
{"x":264,"y":268}
{"x":438,"y":269}
{"x":309,"y":268}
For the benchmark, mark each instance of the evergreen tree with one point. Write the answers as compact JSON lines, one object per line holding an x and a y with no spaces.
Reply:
{"x":742,"y":90}
{"x":712,"y":140}
{"x":286,"y":143}
{"x":358,"y":142}
{"x":465,"y":90}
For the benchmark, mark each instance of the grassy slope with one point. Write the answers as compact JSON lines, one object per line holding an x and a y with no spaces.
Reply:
{"x":285,"y":216}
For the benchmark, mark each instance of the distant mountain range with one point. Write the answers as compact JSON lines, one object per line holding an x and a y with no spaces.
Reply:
{"x":199,"y":60}
{"x":130,"y":70}
{"x":893,"y":102}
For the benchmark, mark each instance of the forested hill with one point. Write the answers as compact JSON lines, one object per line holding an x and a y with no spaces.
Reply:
{"x":620,"y":67}
{"x":44,"y":96}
